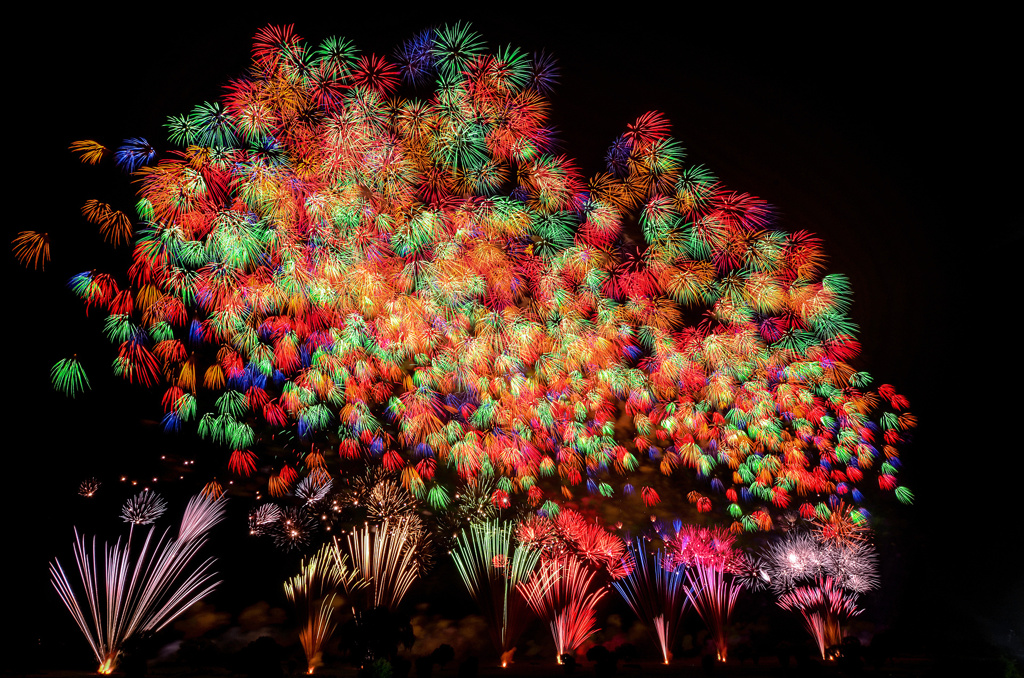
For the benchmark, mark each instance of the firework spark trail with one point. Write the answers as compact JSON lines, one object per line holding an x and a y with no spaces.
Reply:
{"x":559,"y":593}
{"x":492,"y":568}
{"x":313,"y":592}
{"x":201,"y":513}
{"x":824,"y":606}
{"x":712,"y":562}
{"x":656,"y":590}
{"x":263,"y":518}
{"x":141,"y":593}
{"x":713,"y":594}
{"x":384,"y":557}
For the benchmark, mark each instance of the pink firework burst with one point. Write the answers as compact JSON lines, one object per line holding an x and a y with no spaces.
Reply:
{"x":561,"y":593}
{"x":824,"y":606}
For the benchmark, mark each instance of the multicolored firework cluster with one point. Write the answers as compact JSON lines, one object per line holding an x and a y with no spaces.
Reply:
{"x":376,"y":285}
{"x":389,"y":262}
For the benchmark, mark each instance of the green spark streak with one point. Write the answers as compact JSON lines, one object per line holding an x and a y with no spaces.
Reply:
{"x":491,"y":567}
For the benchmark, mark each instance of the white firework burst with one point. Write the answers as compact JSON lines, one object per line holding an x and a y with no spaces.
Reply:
{"x":144,"y":508}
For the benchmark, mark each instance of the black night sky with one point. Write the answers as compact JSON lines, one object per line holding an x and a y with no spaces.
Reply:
{"x":889,"y":137}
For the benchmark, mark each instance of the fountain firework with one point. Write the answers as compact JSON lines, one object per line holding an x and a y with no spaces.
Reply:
{"x":492,"y":567}
{"x":142,"y":591}
{"x":656,"y":590}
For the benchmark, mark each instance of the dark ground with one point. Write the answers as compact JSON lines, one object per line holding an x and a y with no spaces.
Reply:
{"x":903,"y":667}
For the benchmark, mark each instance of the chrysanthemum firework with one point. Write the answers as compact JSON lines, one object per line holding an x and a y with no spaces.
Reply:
{"x":708,"y":546}
{"x":69,"y":377}
{"x":90,"y":152}
{"x":263,"y":518}
{"x":313,"y":490}
{"x":802,"y":557}
{"x":853,"y":567}
{"x":32,"y":248}
{"x":840,"y":525}
{"x":821,"y":578}
{"x":377,"y":494}
{"x":134,"y":153}
{"x":419,"y":282}
{"x":144,"y":508}
{"x":89,"y":487}
{"x":294,"y":529}
{"x":569,"y":534}
{"x":796,"y":557}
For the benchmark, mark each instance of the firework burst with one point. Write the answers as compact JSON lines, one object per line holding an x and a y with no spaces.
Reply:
{"x":853,"y":567}
{"x":794,"y":558}
{"x":713,"y":593}
{"x":492,"y":567}
{"x":820,"y":578}
{"x":69,"y":377}
{"x":479,"y":502}
{"x":89,"y":487}
{"x":840,"y":526}
{"x":657,"y":592}
{"x":263,"y":518}
{"x":824,"y":606}
{"x":561,"y":592}
{"x":570,"y":534}
{"x":711,"y":561}
{"x":141,"y":591}
{"x":313,"y":592}
{"x":314,"y":490}
{"x":400,"y":265}
{"x":32,"y":248}
{"x":91,"y":152}
{"x":144,"y":508}
{"x":803,"y":557}
{"x":294,"y":528}
{"x":383,"y":556}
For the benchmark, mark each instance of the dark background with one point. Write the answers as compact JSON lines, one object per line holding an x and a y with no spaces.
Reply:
{"x":888,"y":136}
